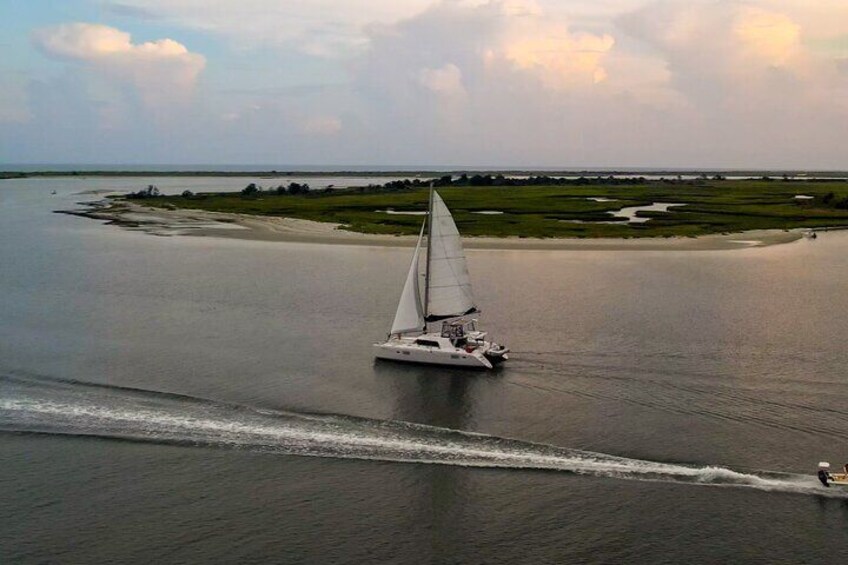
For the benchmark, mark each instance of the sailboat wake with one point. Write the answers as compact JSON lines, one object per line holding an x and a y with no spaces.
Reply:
{"x":58,"y":407}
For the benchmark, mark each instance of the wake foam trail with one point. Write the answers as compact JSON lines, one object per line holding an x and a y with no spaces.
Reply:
{"x":50,"y":406}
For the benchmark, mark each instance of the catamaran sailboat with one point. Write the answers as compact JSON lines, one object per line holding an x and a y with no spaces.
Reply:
{"x":447,"y":300}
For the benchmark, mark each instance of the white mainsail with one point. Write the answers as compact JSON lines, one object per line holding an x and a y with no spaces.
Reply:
{"x":410,"y":316}
{"x":448,"y":284}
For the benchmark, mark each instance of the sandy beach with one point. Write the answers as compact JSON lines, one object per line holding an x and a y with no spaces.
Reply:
{"x":200,"y":223}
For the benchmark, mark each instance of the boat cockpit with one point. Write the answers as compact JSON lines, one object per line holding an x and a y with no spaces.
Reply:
{"x":461,"y":332}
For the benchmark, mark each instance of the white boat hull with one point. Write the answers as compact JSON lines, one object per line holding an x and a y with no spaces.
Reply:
{"x":408,"y":351}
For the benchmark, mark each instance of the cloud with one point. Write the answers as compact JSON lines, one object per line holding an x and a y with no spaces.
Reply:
{"x":728,"y":83}
{"x":695,"y":83}
{"x":444,"y":81}
{"x":163,"y":72}
{"x":756,"y":90}
{"x":533,"y":90}
{"x":129,"y":11}
{"x":723,"y":40}
{"x":82,"y":41}
{"x":322,"y":126}
{"x":325,"y":28}
{"x":712,"y":50}
{"x":561,"y":57}
{"x":457,"y":44}
{"x":771,"y":36}
{"x":14,"y":103}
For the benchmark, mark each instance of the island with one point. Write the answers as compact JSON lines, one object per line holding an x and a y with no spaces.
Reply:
{"x":535,"y":207}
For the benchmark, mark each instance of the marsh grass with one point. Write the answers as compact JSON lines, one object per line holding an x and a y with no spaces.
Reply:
{"x":707,"y":207}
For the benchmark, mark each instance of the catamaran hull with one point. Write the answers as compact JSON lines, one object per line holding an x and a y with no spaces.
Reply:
{"x":404,"y":354}
{"x":497,"y":359}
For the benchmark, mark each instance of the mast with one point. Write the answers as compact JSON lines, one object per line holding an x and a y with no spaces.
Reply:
{"x":429,"y":255}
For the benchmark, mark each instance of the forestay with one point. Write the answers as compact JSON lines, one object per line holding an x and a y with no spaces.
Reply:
{"x":449,"y":286}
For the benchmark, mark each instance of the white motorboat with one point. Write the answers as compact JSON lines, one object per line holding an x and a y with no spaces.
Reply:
{"x":448,"y":302}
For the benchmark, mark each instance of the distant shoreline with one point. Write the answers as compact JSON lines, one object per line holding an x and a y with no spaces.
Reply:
{"x":200,"y":223}
{"x":17,"y":173}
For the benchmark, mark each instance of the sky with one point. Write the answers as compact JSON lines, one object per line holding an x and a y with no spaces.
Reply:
{"x":748,"y":84}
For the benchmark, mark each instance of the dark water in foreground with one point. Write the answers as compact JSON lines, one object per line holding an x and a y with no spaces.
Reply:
{"x":182,"y":399}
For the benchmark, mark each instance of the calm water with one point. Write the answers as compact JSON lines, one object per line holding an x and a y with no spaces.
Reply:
{"x":173,"y":399}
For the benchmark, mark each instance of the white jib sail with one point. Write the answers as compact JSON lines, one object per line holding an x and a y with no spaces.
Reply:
{"x":449,"y":284}
{"x":410,"y":316}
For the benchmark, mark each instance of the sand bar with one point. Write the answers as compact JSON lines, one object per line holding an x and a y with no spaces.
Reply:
{"x":164,"y":222}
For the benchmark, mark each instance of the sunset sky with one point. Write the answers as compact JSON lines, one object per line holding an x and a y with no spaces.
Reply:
{"x":477,"y":83}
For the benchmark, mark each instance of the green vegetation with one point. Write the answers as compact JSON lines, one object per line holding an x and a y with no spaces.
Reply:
{"x":150,"y":192}
{"x":552,"y":207}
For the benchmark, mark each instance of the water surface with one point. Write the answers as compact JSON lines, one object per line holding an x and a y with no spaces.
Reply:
{"x":659,"y":406}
